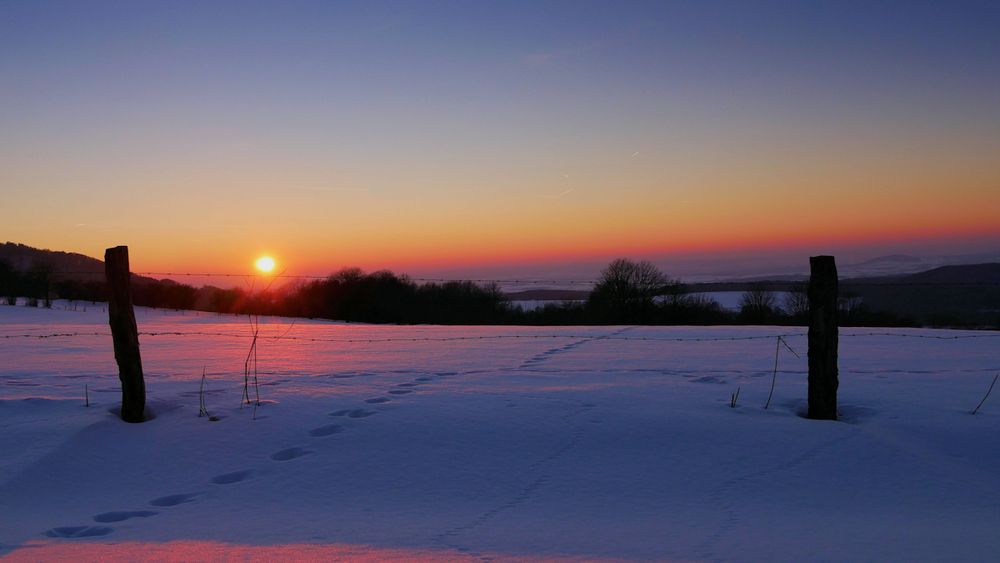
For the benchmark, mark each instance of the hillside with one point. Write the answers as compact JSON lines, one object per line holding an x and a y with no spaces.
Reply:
{"x":24,"y":258}
{"x":952,"y":275}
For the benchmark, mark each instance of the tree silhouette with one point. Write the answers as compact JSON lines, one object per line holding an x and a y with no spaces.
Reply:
{"x":758,"y":304}
{"x":627,"y":290}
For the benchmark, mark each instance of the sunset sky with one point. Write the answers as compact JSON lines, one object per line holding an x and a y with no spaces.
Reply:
{"x":484,"y":136}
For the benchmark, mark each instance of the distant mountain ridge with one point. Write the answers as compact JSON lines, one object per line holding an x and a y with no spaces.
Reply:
{"x":892,"y":259}
{"x":24,"y":258}
{"x":961,"y":274}
{"x":63,"y":265}
{"x":900,"y":264}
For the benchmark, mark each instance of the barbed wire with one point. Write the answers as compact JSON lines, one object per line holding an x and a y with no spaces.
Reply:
{"x":664,"y":371}
{"x":328,"y":276}
{"x":55,"y":335}
{"x":925,"y":336}
{"x":844,"y":282}
{"x":410,"y":339}
{"x":574,"y":336}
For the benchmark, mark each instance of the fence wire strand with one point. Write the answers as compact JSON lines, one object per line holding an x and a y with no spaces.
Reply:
{"x":846,"y":283}
{"x":575,"y":336}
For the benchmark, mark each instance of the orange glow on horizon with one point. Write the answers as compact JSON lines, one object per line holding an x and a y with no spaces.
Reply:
{"x":568,"y":160}
{"x":417,"y":256}
{"x":592,"y":229}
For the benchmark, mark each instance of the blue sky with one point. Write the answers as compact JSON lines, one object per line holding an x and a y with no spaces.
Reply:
{"x":581,"y":124}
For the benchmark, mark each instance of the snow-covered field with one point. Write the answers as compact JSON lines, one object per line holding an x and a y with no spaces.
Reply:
{"x":577,"y":443}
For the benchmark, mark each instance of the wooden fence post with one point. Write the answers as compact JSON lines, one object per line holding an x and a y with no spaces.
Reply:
{"x":823,"y":338}
{"x":125,"y":334}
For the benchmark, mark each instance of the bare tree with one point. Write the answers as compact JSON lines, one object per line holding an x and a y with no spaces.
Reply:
{"x":758,"y":303}
{"x":627,"y":289}
{"x":797,"y":302}
{"x":849,"y":303}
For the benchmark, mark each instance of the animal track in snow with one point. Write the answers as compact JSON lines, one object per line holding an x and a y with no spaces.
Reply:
{"x":230,"y":478}
{"x":378,"y":400}
{"x":174,"y":500}
{"x":327,"y":430}
{"x":79,"y":531}
{"x":354,"y":413}
{"x":709,"y":379}
{"x":722,"y":495}
{"x":121,"y":515}
{"x":400,"y":391}
{"x":288,"y":454}
{"x":526,"y":494}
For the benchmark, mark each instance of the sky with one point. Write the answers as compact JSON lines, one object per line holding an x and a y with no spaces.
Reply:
{"x":499,"y":137}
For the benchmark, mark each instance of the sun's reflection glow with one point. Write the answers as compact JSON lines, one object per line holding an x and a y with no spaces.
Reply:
{"x":204,"y":550}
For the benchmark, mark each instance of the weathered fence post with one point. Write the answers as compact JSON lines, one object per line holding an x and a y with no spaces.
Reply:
{"x":823,"y":338}
{"x":125,"y":334}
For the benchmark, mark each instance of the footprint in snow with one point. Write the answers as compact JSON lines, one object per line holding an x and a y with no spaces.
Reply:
{"x":327,"y":430}
{"x":289,"y":454}
{"x":377,"y":400}
{"x":230,"y":478}
{"x":354,"y":413}
{"x":79,"y":531}
{"x":121,"y":515}
{"x":400,"y":391}
{"x":709,"y":379}
{"x":407,"y":385}
{"x":174,"y":500}
{"x":421,"y":379}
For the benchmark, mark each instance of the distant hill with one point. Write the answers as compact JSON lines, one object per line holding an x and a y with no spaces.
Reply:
{"x":62,"y":265}
{"x":892,"y":259}
{"x":945,"y":296}
{"x":964,"y":274}
{"x":24,"y":258}
{"x":944,"y":275}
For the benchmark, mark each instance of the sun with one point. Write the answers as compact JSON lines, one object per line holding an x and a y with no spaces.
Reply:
{"x":265,"y":264}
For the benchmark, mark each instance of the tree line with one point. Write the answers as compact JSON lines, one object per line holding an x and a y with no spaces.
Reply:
{"x":627,"y":292}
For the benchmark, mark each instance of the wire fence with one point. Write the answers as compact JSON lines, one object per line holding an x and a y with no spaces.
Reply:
{"x":848,"y":282}
{"x":781,"y":337}
{"x":783,"y":340}
{"x":505,"y":336}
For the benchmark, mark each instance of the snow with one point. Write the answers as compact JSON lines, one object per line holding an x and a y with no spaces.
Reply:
{"x":512,"y":443}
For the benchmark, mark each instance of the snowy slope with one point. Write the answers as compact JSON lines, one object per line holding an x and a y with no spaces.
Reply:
{"x":571,"y":442}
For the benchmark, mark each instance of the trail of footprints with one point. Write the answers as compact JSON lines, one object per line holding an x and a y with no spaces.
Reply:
{"x":292,"y":453}
{"x":543,"y":356}
{"x":284,"y":455}
{"x":449,"y":538}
